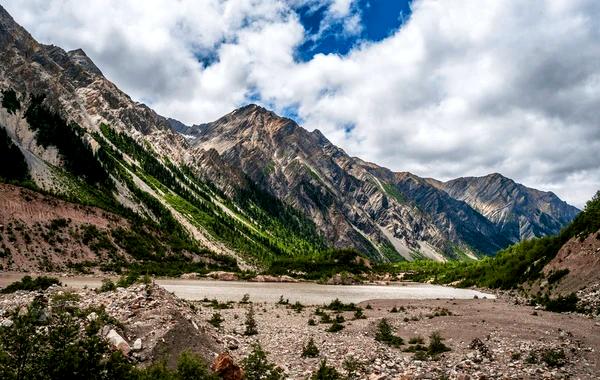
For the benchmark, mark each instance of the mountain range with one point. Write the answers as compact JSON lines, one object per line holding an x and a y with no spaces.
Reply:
{"x":251,"y":185}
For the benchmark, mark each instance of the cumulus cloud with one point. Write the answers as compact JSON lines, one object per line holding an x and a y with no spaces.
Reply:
{"x":466,"y":87}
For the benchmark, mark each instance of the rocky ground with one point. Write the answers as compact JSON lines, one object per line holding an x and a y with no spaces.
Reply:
{"x":489,"y":339}
{"x":509,"y":335}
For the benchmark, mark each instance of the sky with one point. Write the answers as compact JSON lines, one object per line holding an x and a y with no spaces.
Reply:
{"x":442,"y":89}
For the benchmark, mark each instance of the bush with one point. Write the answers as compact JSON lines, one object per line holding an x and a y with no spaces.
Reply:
{"x":436,"y":344}
{"x":385,"y":335}
{"x":556,"y":276}
{"x":561,"y":304}
{"x":310,"y":350}
{"x":335,"y":327}
{"x":250,"y":322}
{"x":107,"y":286}
{"x":128,"y":280}
{"x":554,"y":357}
{"x":297,"y":307}
{"x":311,"y":322}
{"x":30,"y":284}
{"x":245,"y":299}
{"x":216,"y":320}
{"x":353,"y":367}
{"x":339,"y":306}
{"x":325,"y":372}
{"x":358,"y":314}
{"x":10,"y":101}
{"x":18,"y":170}
{"x":416,"y":340}
{"x":257,"y":367}
{"x":192,"y":367}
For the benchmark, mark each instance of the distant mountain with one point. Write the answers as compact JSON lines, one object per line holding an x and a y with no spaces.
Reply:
{"x":251,"y":185}
{"x":518,"y":211}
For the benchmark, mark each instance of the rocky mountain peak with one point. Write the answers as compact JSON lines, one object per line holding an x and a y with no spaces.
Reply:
{"x":79,"y":57}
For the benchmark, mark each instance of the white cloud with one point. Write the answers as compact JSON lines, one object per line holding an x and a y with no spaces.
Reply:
{"x":463,"y":88}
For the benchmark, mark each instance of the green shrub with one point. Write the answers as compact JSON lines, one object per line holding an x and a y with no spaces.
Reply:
{"x":556,"y":276}
{"x":257,"y":367}
{"x":325,"y":372}
{"x":554,"y":357}
{"x":10,"y":101}
{"x":192,"y":367}
{"x":128,"y":280}
{"x":339,"y":306}
{"x":436,"y":344}
{"x":311,"y":322}
{"x":385,"y":334}
{"x":30,"y":284}
{"x":250,"y":322}
{"x":216,"y":320}
{"x":310,"y":350}
{"x":245,"y":299}
{"x":353,"y":367}
{"x":358,"y":314}
{"x":18,"y":170}
{"x":297,"y":307}
{"x":107,"y":285}
{"x":335,"y":327}
{"x":561,"y":304}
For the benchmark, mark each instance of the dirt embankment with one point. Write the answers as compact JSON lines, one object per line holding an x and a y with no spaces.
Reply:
{"x":581,"y":257}
{"x":42,"y":233}
{"x":575,"y":269}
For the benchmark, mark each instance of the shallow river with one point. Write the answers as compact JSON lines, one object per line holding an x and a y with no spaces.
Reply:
{"x":308,"y":293}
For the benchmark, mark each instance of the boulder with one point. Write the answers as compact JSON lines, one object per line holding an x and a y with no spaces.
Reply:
{"x":137,"y":344}
{"x":225,"y":367}
{"x":223,"y":276}
{"x":190,"y":276}
{"x":118,"y":342}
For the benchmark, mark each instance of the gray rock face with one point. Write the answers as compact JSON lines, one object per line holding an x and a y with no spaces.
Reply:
{"x":519,"y":212}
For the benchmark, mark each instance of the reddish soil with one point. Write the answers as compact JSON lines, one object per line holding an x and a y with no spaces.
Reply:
{"x":41,"y":232}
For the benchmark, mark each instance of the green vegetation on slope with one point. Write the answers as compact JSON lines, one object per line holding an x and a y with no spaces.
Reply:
{"x":52,"y":130}
{"x":10,"y":101}
{"x":14,"y":167}
{"x":258,"y":225}
{"x":512,"y":266}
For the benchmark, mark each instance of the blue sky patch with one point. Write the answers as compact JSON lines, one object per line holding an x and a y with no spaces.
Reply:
{"x":379,"y":19}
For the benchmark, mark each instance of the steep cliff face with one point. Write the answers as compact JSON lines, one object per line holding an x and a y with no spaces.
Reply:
{"x":519,"y":212}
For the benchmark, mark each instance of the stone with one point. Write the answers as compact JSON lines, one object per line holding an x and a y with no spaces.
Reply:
{"x":223,"y":276}
{"x":118,"y":342}
{"x":225,"y":367}
{"x":231,"y":342}
{"x":137,"y":345}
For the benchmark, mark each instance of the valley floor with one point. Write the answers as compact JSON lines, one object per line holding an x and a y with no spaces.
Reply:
{"x":488,"y":338}
{"x":509,"y":333}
